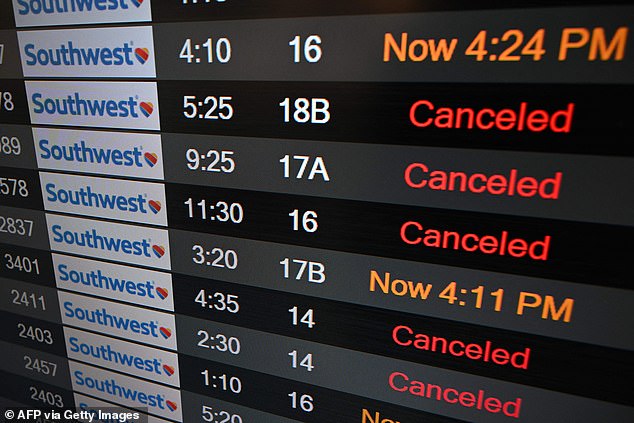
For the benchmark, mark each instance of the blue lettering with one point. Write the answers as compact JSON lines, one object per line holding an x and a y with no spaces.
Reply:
{"x":80,"y":152}
{"x":39,"y":107}
{"x":102,"y":317}
{"x":87,"y":197}
{"x":36,"y":7}
{"x":68,"y":55}
{"x":91,"y":239}
{"x":106,"y":352}
{"x":112,"y":387}
{"x":74,"y":105}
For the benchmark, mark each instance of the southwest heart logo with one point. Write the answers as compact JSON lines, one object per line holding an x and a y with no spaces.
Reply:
{"x":155,"y":206}
{"x":162,"y":293}
{"x":159,"y":250}
{"x":165,"y":332}
{"x":171,"y":405}
{"x":147,"y":108}
{"x":151,"y":159}
{"x":137,"y":3}
{"x":169,"y":370}
{"x":142,"y":55}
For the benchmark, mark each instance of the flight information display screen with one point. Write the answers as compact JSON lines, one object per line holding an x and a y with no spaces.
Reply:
{"x":296,"y":211}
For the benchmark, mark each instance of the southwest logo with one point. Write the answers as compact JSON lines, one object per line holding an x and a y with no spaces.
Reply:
{"x":147,"y":108}
{"x":123,"y":321}
{"x":169,"y":370}
{"x":162,"y":293}
{"x":101,"y":382}
{"x":102,"y":317}
{"x":76,"y":105}
{"x":92,"y":239}
{"x":89,"y":197}
{"x":167,"y":333}
{"x":67,"y":54}
{"x":155,"y":206}
{"x":110,"y":241}
{"x":142,"y":54}
{"x":73,"y":6}
{"x":150,"y":159}
{"x":103,"y":280}
{"x":70,"y":12}
{"x":158,"y":250}
{"x":112,"y":354}
{"x":81,"y":152}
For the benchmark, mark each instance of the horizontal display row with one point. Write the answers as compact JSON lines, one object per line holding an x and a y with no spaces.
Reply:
{"x":563,"y":118}
{"x":549,"y":46}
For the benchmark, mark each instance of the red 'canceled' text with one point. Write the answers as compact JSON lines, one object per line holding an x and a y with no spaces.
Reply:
{"x":424,"y":113}
{"x":406,"y":337}
{"x":481,"y":400}
{"x":419,"y":176}
{"x":413,"y":233}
